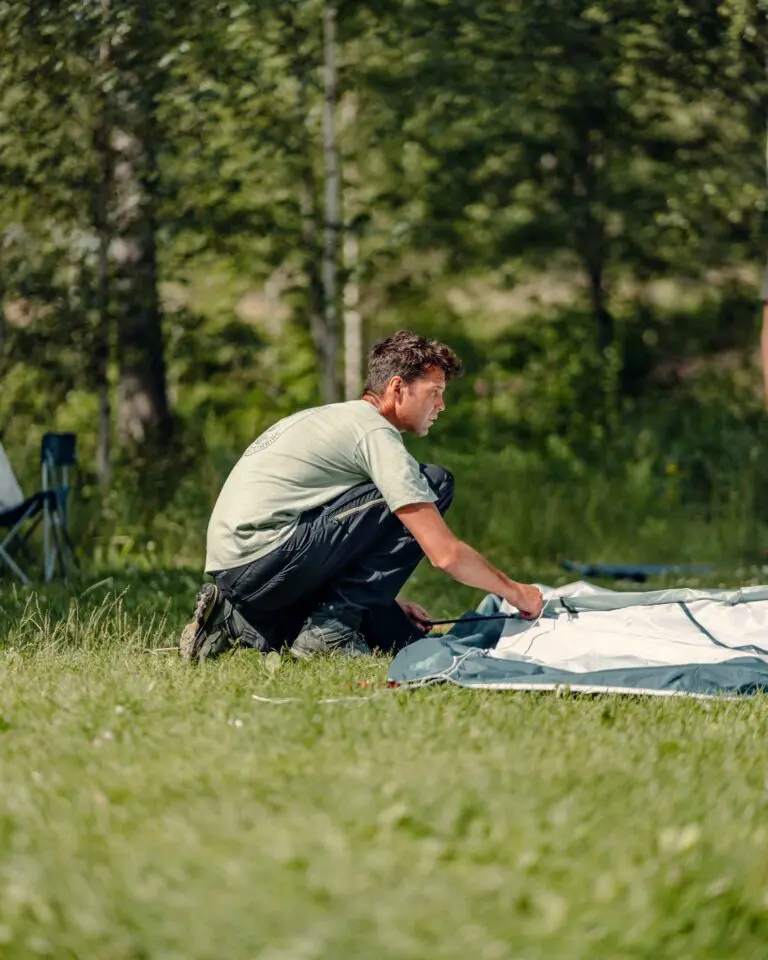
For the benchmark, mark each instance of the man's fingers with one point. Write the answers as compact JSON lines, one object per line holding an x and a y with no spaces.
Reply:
{"x":416,"y":614}
{"x":420,"y":617}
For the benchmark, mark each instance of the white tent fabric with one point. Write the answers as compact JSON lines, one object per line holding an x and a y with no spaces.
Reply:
{"x":10,"y":491}
{"x":675,"y":642}
{"x":609,"y":629}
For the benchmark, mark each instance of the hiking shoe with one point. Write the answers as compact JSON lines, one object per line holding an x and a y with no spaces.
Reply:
{"x":325,"y":632}
{"x":208,"y":633}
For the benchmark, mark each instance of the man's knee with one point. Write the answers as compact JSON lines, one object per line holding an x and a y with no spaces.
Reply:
{"x":441,"y":481}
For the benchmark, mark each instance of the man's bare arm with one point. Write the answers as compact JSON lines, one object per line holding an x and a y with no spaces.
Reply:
{"x":459,"y":560}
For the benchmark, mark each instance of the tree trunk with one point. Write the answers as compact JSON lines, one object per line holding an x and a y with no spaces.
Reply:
{"x":101,"y":221}
{"x":353,"y":323}
{"x":143,"y":413}
{"x":312,"y":254}
{"x":330,"y":272}
{"x":142,"y":396}
{"x":104,"y":434}
{"x":603,"y":317}
{"x":590,"y":238}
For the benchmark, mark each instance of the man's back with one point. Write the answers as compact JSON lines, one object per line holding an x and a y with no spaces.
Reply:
{"x":301,"y":463}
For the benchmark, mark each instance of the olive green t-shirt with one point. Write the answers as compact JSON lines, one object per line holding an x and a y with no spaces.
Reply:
{"x":303,"y":462}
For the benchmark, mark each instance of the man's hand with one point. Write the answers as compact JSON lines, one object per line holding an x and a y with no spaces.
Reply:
{"x":527,"y":598}
{"x":416,"y":614}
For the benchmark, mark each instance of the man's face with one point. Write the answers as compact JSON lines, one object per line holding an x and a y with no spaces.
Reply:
{"x":419,"y":403}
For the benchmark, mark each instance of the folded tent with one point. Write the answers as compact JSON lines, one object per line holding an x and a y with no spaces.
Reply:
{"x":594,"y":640}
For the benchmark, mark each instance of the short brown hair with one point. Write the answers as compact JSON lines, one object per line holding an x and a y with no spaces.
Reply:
{"x":406,"y":354}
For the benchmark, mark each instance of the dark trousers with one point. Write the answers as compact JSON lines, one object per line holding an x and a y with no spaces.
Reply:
{"x":352,"y":551}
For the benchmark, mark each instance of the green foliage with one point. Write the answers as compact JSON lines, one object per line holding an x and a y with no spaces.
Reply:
{"x":498,"y":144}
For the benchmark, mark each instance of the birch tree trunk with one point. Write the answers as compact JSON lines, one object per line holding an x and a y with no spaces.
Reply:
{"x":310,"y":216}
{"x":330,"y":271}
{"x":353,"y":321}
{"x":103,"y":151}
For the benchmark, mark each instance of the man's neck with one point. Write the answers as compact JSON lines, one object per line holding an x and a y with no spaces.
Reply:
{"x":384,"y":409}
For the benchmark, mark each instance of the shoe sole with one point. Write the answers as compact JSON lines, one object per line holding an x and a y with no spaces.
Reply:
{"x":193,"y":635}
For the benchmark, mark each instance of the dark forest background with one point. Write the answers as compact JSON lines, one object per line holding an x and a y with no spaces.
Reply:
{"x":210,"y":211}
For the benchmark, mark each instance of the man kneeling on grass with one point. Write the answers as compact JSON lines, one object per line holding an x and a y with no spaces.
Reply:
{"x":326,"y":515}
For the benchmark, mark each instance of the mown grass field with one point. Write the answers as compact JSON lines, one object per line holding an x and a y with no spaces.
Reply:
{"x":150,"y":810}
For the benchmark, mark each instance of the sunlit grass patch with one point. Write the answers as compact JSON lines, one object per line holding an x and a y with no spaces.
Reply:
{"x":150,"y":809}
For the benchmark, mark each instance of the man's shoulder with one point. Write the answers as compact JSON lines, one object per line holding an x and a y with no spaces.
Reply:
{"x":272,"y":434}
{"x":355,"y":417}
{"x":362,"y":416}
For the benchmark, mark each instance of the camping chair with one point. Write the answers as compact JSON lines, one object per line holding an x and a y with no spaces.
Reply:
{"x":20,"y":516}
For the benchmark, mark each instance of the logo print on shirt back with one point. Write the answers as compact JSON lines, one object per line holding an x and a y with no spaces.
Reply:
{"x":265,"y":440}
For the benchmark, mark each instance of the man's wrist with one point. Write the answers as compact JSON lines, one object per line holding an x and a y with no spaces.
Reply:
{"x":512,"y":591}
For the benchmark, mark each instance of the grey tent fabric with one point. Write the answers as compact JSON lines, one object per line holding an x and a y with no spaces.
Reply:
{"x":729,"y":660}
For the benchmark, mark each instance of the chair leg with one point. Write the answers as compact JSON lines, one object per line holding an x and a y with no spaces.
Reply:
{"x":57,"y":552}
{"x":58,"y":548}
{"x":35,"y":522}
{"x":15,"y":534}
{"x":22,"y":545}
{"x":64,"y":551}
{"x":12,"y":565}
{"x":49,"y":543}
{"x":69,"y":550}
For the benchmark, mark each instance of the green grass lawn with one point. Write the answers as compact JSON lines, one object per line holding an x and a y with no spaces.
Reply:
{"x":152,"y":810}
